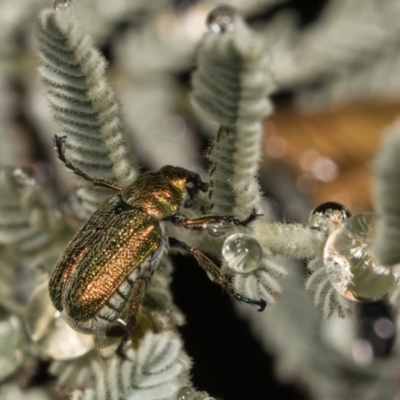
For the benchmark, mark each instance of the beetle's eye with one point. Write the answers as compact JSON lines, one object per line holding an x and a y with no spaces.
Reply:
{"x":121,"y":206}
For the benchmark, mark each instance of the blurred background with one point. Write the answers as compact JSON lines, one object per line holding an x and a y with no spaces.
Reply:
{"x":335,"y":65}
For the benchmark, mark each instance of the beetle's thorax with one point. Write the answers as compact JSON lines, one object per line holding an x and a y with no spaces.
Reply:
{"x":155,"y":194}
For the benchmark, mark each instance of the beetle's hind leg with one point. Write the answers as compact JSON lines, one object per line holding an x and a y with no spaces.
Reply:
{"x":59,"y":142}
{"x":214,"y":272}
{"x":139,"y":288}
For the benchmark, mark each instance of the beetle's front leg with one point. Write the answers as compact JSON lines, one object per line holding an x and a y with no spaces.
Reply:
{"x":212,"y":221}
{"x":214,"y":272}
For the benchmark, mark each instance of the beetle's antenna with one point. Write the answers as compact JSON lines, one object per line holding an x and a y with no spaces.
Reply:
{"x":59,"y":142}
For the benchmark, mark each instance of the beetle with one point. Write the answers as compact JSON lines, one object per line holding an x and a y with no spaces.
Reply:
{"x":108,"y":264}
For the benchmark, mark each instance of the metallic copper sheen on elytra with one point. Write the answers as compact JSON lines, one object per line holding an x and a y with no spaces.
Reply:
{"x":119,"y":237}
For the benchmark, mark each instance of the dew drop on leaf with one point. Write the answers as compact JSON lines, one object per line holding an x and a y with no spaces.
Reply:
{"x":330,"y":211}
{"x":242,"y":253}
{"x":221,"y":19}
{"x":186,"y":393}
{"x":61,"y":4}
{"x":350,"y":264}
{"x":218,"y":229}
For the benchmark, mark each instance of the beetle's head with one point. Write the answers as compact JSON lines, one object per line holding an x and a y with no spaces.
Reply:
{"x":186,"y":181}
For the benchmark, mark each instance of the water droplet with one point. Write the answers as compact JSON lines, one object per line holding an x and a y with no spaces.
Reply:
{"x":61,"y":4}
{"x":186,"y":393}
{"x":221,"y":19}
{"x":242,"y":253}
{"x":325,"y":213}
{"x":51,"y":333}
{"x":11,"y":344}
{"x":218,"y":229}
{"x":203,"y":396}
{"x":350,"y":264}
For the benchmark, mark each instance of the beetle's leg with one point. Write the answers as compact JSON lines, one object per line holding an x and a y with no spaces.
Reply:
{"x":214,"y":272}
{"x":209,"y":220}
{"x":59,"y":142}
{"x":139,"y":289}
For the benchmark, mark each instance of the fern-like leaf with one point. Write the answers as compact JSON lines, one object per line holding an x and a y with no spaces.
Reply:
{"x":325,"y":295}
{"x":230,"y":86}
{"x":155,"y":371}
{"x":387,"y":196}
{"x":260,"y":283}
{"x":83,"y":104}
{"x":25,"y":218}
{"x":290,"y":240}
{"x":78,"y":373}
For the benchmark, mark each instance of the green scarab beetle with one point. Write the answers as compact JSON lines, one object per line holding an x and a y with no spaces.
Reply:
{"x":107,"y":266}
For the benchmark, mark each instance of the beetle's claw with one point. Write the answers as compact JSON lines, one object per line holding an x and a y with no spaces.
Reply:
{"x":262,"y":304}
{"x":253,"y":216}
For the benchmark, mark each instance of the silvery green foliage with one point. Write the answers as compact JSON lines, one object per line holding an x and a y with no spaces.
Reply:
{"x":155,"y":371}
{"x":158,"y":298}
{"x":83,"y":104}
{"x":291,"y":239}
{"x":26,"y":219}
{"x":301,"y":242}
{"x":318,"y":282}
{"x":231,"y":87}
{"x":170,"y":49}
{"x":188,"y":393}
{"x":14,"y":392}
{"x":295,"y":332}
{"x":262,"y":282}
{"x":386,"y":194}
{"x":153,"y":112}
{"x":78,"y":373}
{"x":353,"y":47}
{"x":325,"y":295}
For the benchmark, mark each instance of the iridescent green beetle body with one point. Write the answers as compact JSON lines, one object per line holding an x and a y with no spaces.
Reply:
{"x":106,"y":267}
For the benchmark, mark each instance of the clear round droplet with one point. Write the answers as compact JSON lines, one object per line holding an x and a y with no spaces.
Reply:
{"x":203,"y":396}
{"x":61,"y":4}
{"x":221,"y":19}
{"x":11,"y":344}
{"x":218,"y":229}
{"x":186,"y":393}
{"x":242,"y":253}
{"x":325,"y":213}
{"x":350,"y":264}
{"x":51,"y":333}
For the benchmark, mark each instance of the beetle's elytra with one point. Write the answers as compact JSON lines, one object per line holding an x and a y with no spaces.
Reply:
{"x":106,"y":267}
